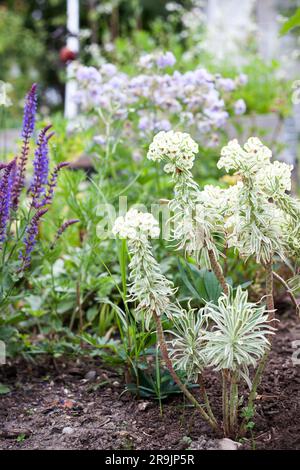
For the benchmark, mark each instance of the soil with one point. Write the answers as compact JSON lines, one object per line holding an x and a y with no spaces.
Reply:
{"x":82,"y":405}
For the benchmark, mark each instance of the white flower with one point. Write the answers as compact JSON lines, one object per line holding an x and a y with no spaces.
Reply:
{"x":254,"y":228}
{"x":275,"y":178}
{"x":255,"y":218}
{"x":148,"y":286}
{"x":5,"y":89}
{"x":178,"y":149}
{"x":214,"y":197}
{"x":136,"y":225}
{"x":253,"y":157}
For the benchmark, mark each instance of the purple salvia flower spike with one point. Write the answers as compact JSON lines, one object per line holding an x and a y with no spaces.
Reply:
{"x":52,"y":184}
{"x":6,"y":187}
{"x":30,"y":238}
{"x":41,"y":167}
{"x":50,"y":136}
{"x":29,"y":112}
{"x":62,"y":229}
{"x":3,"y":165}
{"x":27,"y":132}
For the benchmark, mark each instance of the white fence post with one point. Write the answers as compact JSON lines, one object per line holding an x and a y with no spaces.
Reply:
{"x":73,"y":45}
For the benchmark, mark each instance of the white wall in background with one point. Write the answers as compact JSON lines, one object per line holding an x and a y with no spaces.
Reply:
{"x":230,"y":23}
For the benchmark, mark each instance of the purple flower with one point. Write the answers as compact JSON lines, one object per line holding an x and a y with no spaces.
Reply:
{"x":226,"y":84}
{"x":52,"y":184}
{"x":29,"y":113}
{"x":41,"y":166}
{"x":31,"y":237}
{"x":195,"y":94}
{"x":165,"y":60}
{"x":62,"y":229}
{"x":218,"y":117}
{"x":88,"y":74}
{"x":239,"y":107}
{"x":27,"y":131}
{"x":242,"y":79}
{"x":204,"y":127}
{"x":163,"y":125}
{"x":144,"y":123}
{"x":146,"y":61}
{"x":109,"y":69}
{"x":6,"y":186}
{"x":100,"y":139}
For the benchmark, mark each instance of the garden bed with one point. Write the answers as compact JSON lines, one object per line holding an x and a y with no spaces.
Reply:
{"x":68,"y":406}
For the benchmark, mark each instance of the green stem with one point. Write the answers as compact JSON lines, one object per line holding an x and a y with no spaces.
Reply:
{"x":183,"y":388}
{"x":233,"y":405}
{"x":205,"y":396}
{"x":270,"y":292}
{"x":218,"y":271}
{"x":264,"y":360}
{"x":286,"y":286}
{"x":225,"y":403}
{"x":122,"y":261}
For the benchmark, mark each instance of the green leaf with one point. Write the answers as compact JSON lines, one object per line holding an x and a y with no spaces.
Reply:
{"x":92,"y":313}
{"x":202,"y":284}
{"x":4,"y":389}
{"x":291,"y":23}
{"x":186,"y":281}
{"x":35,"y":302}
{"x":212,"y":286}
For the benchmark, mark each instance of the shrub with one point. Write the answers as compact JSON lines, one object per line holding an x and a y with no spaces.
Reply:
{"x":259,"y":219}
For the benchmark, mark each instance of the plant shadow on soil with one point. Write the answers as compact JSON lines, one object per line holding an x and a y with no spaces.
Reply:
{"x":64,"y":408}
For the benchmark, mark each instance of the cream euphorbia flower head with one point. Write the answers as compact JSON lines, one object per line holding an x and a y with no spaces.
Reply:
{"x":136,"y":225}
{"x":253,"y":157}
{"x":177,"y":149}
{"x":275,"y":178}
{"x":148,"y":287}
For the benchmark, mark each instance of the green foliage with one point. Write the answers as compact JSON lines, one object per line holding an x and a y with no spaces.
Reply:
{"x":291,"y":23}
{"x":17,"y":42}
{"x":4,"y":389}
{"x":202,"y":284}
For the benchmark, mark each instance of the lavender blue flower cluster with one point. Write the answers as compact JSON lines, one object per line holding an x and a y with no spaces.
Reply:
{"x":196,"y":99}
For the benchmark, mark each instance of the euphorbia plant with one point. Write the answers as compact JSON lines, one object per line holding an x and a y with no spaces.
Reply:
{"x":259,"y":219}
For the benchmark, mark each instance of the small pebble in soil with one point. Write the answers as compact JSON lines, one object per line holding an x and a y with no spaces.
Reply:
{"x":90,"y":375}
{"x":142,"y":406}
{"x":203,"y":443}
{"x":67,"y":430}
{"x":228,"y":444}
